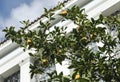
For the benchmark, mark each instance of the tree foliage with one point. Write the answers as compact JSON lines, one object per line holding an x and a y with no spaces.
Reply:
{"x":90,"y":62}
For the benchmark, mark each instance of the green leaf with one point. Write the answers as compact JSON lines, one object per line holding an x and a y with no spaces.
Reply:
{"x":74,"y":74}
{"x":101,"y":17}
{"x":93,"y":21}
{"x":31,"y":54}
{"x":71,"y":66}
{"x":83,"y":80}
{"x":45,"y":10}
{"x":32,"y":74}
{"x":66,"y":79}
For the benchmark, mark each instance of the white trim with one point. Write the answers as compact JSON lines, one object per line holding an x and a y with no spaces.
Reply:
{"x":5,"y":44}
{"x":98,"y":9}
{"x":90,"y":6}
{"x":11,"y":56}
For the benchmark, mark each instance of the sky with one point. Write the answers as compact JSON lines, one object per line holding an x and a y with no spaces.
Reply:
{"x":13,"y":11}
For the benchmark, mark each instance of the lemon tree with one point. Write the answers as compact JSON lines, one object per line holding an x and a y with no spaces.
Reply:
{"x":90,"y":62}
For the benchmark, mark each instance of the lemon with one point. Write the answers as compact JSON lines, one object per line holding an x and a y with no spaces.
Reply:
{"x":64,"y":12}
{"x":77,"y":76}
{"x":59,"y":51}
{"x":84,"y":39}
{"x":44,"y":61}
{"x":29,"y":41}
{"x":91,"y":35}
{"x":94,"y":33}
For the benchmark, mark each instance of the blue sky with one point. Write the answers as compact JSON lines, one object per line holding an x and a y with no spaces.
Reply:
{"x":6,"y":6}
{"x":13,"y":11}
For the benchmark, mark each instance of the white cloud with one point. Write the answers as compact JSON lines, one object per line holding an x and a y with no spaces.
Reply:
{"x":25,"y":12}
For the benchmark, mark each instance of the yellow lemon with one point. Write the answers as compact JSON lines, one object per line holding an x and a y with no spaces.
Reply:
{"x":77,"y":76}
{"x":59,"y":51}
{"x":29,"y":41}
{"x":91,"y":36}
{"x":95,"y":33}
{"x":64,"y":12}
{"x":84,"y":39}
{"x":44,"y":61}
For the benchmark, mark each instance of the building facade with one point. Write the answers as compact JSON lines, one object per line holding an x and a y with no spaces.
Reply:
{"x":14,"y":62}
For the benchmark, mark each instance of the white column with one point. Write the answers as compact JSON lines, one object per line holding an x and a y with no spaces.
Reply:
{"x":1,"y":79}
{"x":25,"y":70}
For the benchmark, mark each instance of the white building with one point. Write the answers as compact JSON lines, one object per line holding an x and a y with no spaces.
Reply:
{"x":14,"y":62}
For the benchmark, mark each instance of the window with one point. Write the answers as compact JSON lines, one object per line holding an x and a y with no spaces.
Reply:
{"x":13,"y":78}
